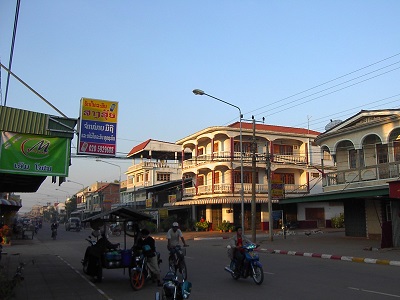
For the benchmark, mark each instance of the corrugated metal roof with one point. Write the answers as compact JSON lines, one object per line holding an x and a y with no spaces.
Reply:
{"x":29,"y":122}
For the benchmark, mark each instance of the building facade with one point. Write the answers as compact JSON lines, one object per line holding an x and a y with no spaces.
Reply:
{"x":366,"y":151}
{"x":215,"y":170}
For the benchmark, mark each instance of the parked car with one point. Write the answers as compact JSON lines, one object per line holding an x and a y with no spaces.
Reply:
{"x":73,"y":224}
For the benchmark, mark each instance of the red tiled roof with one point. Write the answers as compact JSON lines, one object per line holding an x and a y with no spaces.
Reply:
{"x":139,"y":147}
{"x":274,"y":128}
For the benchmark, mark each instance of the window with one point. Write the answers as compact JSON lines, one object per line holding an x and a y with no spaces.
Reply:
{"x":247,"y":177}
{"x":352,"y":159}
{"x":146,"y":176}
{"x":163,"y":177}
{"x":382,"y":153}
{"x":283,"y":149}
{"x":200,"y":180}
{"x":217,"y":177}
{"x":216,"y":147}
{"x":200,"y":151}
{"x":246,"y":147}
{"x":286,"y":178}
{"x":396,"y":149}
{"x":315,"y":175}
{"x":327,"y":155}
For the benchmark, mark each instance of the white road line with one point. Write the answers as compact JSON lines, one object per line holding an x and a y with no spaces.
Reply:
{"x":374,"y":292}
{"x":85,"y":278}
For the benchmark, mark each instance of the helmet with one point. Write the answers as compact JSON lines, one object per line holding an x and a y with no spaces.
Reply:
{"x":175,"y":224}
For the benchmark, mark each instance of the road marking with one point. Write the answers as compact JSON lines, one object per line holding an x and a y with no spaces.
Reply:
{"x":374,"y":292}
{"x":269,"y":273}
{"x":85,"y":278}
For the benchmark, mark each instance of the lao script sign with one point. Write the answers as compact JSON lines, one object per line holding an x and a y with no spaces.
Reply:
{"x":98,"y":127}
{"x":29,"y":154}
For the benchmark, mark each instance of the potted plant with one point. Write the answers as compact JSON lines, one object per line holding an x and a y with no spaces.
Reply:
{"x":5,"y":233}
{"x":225,"y":226}
{"x":202,"y":226}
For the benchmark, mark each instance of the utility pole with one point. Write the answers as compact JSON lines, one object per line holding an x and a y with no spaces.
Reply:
{"x":253,"y":183}
{"x":270,"y":227}
{"x":254,"y":152}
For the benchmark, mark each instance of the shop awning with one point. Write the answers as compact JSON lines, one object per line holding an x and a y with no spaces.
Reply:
{"x":342,"y":195}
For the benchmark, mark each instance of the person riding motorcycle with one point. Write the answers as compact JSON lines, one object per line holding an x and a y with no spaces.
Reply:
{"x":53,"y":228}
{"x":147,"y":244}
{"x":236,"y":243}
{"x":95,"y":253}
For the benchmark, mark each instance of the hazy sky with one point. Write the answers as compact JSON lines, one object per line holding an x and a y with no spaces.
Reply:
{"x":296,"y":63}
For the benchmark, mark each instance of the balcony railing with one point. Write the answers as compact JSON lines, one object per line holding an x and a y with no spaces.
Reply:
{"x":247,"y":157}
{"x":226,"y":188}
{"x":152,"y":165}
{"x":370,"y":173}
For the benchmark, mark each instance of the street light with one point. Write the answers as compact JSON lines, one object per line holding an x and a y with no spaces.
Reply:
{"x":201,"y":93}
{"x":83,"y":187}
{"x":69,"y":196}
{"x":106,"y":162}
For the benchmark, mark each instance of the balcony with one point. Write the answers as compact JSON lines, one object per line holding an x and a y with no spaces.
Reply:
{"x":370,"y":175}
{"x":222,"y":156}
{"x":226,"y":189}
{"x":153,"y":165}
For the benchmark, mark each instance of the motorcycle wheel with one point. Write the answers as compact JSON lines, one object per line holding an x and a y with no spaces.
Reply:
{"x":99,"y":273}
{"x":171,"y":264}
{"x":233,"y":267}
{"x":163,"y":296}
{"x":258,"y":275}
{"x":183,"y":269}
{"x":85,"y":265}
{"x":137,"y":280}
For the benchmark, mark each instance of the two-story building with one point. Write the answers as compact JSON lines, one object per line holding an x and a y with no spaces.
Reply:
{"x":366,"y":151}
{"x":156,"y":166}
{"x":216,"y":164}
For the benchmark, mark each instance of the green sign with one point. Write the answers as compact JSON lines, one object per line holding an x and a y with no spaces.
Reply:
{"x":29,"y":154}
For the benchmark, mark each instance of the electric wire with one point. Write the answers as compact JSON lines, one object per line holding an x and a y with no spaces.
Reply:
{"x":12,"y":48}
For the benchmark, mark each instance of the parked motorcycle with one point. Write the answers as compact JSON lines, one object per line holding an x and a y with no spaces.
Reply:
{"x":177,"y":261}
{"x":115,"y":229}
{"x":251,"y":265}
{"x":173,"y":289}
{"x":86,"y":260}
{"x":140,"y":272}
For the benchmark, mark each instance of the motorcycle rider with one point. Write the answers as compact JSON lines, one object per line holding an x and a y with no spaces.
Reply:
{"x":173,"y":236}
{"x":152,"y":260}
{"x":54,"y":227}
{"x":236,"y":243}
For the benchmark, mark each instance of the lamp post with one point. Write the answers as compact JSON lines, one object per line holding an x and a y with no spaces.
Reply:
{"x":69,"y":196}
{"x":82,"y":200}
{"x":201,"y":93}
{"x":106,"y":162}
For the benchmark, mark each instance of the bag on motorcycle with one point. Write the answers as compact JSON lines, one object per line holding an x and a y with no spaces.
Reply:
{"x":186,"y":289}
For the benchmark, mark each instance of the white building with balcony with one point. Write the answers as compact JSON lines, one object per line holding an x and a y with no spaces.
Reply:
{"x":215,"y":170}
{"x":366,"y":151}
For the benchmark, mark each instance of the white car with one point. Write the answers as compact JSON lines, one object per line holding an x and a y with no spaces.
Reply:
{"x":73,"y":224}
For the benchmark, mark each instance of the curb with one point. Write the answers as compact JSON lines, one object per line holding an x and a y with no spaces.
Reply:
{"x":336,"y":257}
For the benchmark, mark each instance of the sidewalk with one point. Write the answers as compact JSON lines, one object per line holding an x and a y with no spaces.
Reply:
{"x":48,"y":274}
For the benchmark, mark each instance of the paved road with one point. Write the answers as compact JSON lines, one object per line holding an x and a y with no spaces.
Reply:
{"x":56,"y":271}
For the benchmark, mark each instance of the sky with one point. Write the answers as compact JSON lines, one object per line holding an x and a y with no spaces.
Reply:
{"x":297,"y":63}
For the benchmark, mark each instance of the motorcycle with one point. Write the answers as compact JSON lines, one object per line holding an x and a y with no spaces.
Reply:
{"x":140,"y":272}
{"x":251,"y":265}
{"x":115,"y":229}
{"x":173,"y":289}
{"x":176,"y":261}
